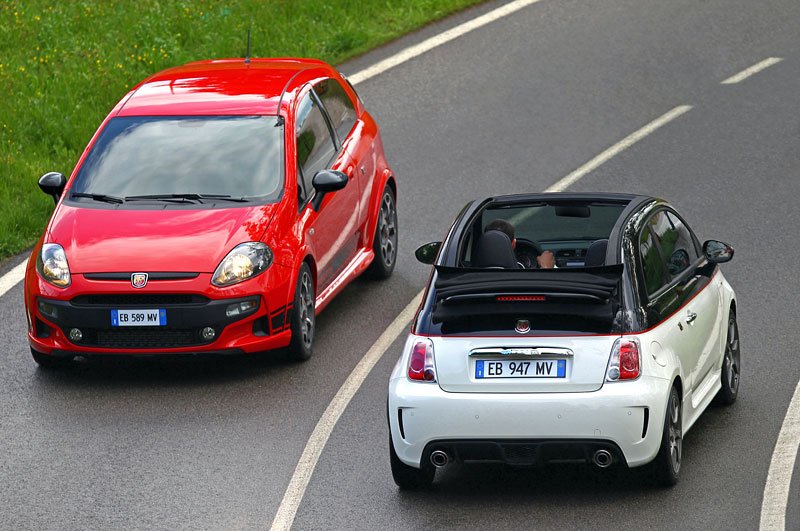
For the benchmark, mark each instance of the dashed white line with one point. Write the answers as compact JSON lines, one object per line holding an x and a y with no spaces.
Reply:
{"x":10,"y":279}
{"x":316,"y":443}
{"x":617,"y":148}
{"x":779,"y":478}
{"x":755,"y":69}
{"x":437,"y":40}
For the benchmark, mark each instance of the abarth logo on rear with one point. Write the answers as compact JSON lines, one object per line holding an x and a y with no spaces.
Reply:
{"x":520,"y":352}
{"x":523,"y":326}
{"x":139,"y":280}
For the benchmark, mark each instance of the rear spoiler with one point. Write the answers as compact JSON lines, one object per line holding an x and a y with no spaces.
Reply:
{"x":591,"y":292}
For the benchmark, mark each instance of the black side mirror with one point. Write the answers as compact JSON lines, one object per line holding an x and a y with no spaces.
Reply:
{"x":717,"y":252}
{"x":427,"y":253}
{"x":326,"y":181}
{"x":53,"y":183}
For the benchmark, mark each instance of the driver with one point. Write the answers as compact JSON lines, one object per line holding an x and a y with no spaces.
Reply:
{"x":546,"y":260}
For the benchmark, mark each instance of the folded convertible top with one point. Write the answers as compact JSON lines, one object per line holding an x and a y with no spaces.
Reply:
{"x":592,"y":293}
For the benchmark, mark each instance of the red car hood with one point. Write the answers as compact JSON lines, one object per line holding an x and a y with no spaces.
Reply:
{"x":108,"y":241}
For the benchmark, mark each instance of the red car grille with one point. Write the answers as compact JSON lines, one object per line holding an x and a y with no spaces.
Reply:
{"x":141,"y":338}
{"x":123,"y":300}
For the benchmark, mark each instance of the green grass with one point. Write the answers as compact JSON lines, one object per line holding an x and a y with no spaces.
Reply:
{"x":63,"y":66}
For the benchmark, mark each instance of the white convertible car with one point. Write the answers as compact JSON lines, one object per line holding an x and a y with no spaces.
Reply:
{"x":606,"y":354}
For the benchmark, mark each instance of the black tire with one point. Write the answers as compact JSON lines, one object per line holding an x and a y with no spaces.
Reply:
{"x":667,"y":465}
{"x":303,"y":321}
{"x":384,"y":243}
{"x":46,"y":361}
{"x":731,"y":365}
{"x":407,"y":477}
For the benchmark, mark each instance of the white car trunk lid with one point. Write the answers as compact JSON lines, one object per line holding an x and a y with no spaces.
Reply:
{"x":522,"y":365}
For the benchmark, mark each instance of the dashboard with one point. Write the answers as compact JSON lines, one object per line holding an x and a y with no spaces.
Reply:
{"x":568,"y":253}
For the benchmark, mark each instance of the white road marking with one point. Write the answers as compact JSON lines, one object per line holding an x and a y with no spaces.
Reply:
{"x":755,"y":69}
{"x":319,"y":438}
{"x":776,"y":492}
{"x":10,"y":279}
{"x":618,"y":148}
{"x":779,"y":478}
{"x":437,"y":40}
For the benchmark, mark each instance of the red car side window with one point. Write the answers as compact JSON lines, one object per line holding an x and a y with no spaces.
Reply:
{"x":340,"y":109}
{"x":315,"y":146}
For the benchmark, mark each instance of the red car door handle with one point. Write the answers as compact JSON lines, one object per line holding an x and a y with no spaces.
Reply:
{"x":690,"y":316}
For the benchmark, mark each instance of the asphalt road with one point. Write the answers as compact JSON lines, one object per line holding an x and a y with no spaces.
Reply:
{"x":511,"y":107}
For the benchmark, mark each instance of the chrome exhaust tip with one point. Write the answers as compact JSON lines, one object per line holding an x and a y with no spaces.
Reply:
{"x":439,"y":458}
{"x":602,"y":458}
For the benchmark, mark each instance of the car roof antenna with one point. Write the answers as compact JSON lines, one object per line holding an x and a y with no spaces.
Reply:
{"x":247,"y":54}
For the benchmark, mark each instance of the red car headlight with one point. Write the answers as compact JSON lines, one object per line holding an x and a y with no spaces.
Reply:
{"x":245,"y":261}
{"x":51,"y":264}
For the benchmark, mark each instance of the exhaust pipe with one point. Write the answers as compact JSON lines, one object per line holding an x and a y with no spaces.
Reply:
{"x":439,"y":458}
{"x":602,"y":458}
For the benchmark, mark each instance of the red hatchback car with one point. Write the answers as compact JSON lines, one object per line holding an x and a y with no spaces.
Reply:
{"x":219,"y":207}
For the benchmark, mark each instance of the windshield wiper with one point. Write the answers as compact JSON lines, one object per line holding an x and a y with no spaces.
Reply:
{"x":99,"y":197}
{"x":191,"y":197}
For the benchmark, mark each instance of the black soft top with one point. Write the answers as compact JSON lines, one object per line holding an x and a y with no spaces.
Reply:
{"x":591,"y":293}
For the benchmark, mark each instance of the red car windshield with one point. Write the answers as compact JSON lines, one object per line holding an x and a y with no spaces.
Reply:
{"x":163,"y":156}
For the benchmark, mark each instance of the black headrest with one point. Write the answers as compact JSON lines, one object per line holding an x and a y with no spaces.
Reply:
{"x":596,"y":254}
{"x":493,"y":249}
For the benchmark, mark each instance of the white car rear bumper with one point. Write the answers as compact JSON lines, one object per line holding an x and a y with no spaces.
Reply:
{"x":615,"y":413}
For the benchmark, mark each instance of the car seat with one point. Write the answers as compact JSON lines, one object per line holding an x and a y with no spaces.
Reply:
{"x":493,"y":249}
{"x":596,"y":254}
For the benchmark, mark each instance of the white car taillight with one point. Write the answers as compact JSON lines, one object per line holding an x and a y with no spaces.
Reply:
{"x":626,"y":360}
{"x":420,"y":363}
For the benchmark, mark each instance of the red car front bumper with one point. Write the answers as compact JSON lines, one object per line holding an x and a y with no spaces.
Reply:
{"x":190,"y":306}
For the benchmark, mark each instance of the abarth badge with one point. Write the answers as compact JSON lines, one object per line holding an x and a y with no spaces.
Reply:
{"x":139,"y":280}
{"x":523,"y":326}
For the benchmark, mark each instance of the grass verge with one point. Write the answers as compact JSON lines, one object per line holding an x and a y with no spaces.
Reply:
{"x":63,"y":65}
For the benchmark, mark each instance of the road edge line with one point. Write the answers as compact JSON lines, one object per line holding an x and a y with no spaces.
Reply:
{"x":781,"y":468}
{"x":430,"y":43}
{"x":284,"y":517}
{"x":13,"y":277}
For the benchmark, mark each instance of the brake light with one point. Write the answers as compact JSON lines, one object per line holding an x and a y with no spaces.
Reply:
{"x":625,"y":362}
{"x":520,"y":298}
{"x":420,"y":363}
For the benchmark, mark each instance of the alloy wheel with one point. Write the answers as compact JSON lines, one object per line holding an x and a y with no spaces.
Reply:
{"x":732,"y":357}
{"x":387,"y":230}
{"x":675,"y":432}
{"x":306,"y":309}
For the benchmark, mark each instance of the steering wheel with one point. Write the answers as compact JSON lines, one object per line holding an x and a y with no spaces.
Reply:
{"x":526,"y":252}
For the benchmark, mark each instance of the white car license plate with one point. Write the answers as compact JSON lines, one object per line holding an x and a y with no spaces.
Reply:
{"x":138,"y":317}
{"x":520,"y":369}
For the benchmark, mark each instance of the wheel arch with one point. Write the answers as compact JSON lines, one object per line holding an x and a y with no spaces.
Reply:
{"x":387,"y":179}
{"x":678,"y":382}
{"x":393,"y":185}
{"x":312,"y":264}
